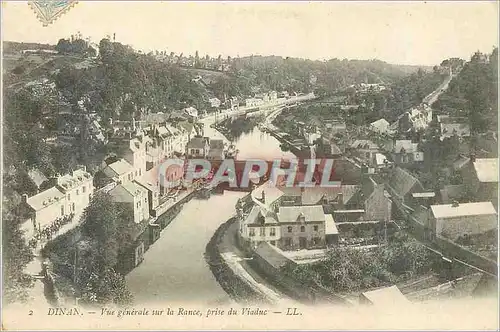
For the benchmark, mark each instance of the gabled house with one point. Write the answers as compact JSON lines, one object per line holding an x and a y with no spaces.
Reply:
{"x":216,"y":150}
{"x":455,"y":220}
{"x":402,"y":185}
{"x":198,"y":147}
{"x":380,"y":126}
{"x":405,"y":152}
{"x":364,"y":150}
{"x":121,"y":170}
{"x":480,"y":176}
{"x":133,"y":194}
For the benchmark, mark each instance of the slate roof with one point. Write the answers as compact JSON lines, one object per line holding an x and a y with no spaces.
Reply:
{"x":364,"y":144}
{"x":330,"y":227}
{"x":405,"y":145}
{"x":271,"y":255}
{"x":196,"y":143}
{"x":452,"y":192}
{"x":216,"y":144}
{"x":291,"y":214}
{"x":402,"y":182}
{"x":316,"y":194}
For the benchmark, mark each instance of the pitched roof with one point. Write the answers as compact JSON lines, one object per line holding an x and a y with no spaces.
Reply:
{"x":36,"y":176}
{"x":330,"y":227}
{"x":451,"y":129}
{"x":315,"y":194}
{"x":197,"y":143}
{"x":452,"y":192}
{"x":380,"y":124}
{"x":486,"y":169}
{"x":216,"y":144}
{"x":271,"y":255}
{"x":125,"y":192}
{"x":292,"y":213}
{"x":463,"y":210}
{"x":120,"y":167}
{"x":45,"y":198}
{"x":405,"y":145}
{"x":402,"y":181}
{"x":387,"y":296}
{"x":363,"y":144}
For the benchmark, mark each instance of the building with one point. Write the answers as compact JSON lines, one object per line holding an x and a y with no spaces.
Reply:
{"x":406,"y":152}
{"x":216,"y":151}
{"x":198,"y":147}
{"x":302,"y":227}
{"x":69,"y":195}
{"x":365,"y":150}
{"x":287,"y":227}
{"x":120,"y":170}
{"x":417,"y":119}
{"x":214,"y":102}
{"x":135,"y":154}
{"x":135,"y":195}
{"x":384,"y":297}
{"x":191,"y":112}
{"x":480,"y":176}
{"x":402,"y":185}
{"x":253,"y":102}
{"x":459,"y":130}
{"x":380,"y":126}
{"x":455,"y":220}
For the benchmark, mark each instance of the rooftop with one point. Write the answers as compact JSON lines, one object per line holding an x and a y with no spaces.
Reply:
{"x":291,"y":214}
{"x":45,"y":198}
{"x":197,"y":143}
{"x":463,"y":210}
{"x":387,"y":296}
{"x":120,"y":167}
{"x":76,"y":178}
{"x":330,"y":227}
{"x":486,"y":169}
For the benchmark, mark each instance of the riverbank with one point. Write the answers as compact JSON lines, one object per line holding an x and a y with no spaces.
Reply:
{"x":232,"y":284}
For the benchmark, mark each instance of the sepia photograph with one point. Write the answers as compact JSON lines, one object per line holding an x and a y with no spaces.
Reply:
{"x":249,"y":165}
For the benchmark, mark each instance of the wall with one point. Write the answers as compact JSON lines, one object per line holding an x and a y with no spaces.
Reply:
{"x":453,"y":228}
{"x":296,"y":234}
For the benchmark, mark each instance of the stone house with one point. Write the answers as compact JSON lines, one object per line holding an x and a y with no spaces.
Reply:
{"x":458,"y":219}
{"x":133,"y":194}
{"x":198,"y":147}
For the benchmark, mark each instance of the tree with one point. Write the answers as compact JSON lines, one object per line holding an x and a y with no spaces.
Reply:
{"x":16,"y":256}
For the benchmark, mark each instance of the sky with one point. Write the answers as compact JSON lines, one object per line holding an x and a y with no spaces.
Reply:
{"x":419,"y":33}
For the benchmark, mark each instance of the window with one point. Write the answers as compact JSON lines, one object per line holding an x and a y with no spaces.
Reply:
{"x":273,"y":232}
{"x":73,"y":207}
{"x":262,"y":231}
{"x":69,"y":197}
{"x":252,"y":232}
{"x":77,"y":192}
{"x":316,"y":241}
{"x":62,"y":210}
{"x":136,"y":173}
{"x":288,"y":242}
{"x":84,"y":189}
{"x":290,"y":229}
{"x":302,"y":228}
{"x":315,"y":228}
{"x":140,"y":172}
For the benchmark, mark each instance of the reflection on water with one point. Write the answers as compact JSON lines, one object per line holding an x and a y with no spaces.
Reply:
{"x":174,"y":268}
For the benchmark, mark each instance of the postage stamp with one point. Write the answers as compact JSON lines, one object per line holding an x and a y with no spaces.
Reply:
{"x":47,"y":11}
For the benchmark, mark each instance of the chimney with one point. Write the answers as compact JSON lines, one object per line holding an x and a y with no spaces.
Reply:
{"x":340,"y":198}
{"x":24,"y":198}
{"x":455,"y":204}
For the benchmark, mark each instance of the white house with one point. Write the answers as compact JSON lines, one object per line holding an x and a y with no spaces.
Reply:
{"x":380,"y":126}
{"x":135,"y":195}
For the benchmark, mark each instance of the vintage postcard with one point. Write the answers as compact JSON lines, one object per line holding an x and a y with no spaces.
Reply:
{"x":249,"y":165}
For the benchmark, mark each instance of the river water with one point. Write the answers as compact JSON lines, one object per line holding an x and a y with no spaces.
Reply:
{"x":174,"y":268}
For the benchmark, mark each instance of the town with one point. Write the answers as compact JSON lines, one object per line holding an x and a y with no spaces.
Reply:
{"x":89,"y":202}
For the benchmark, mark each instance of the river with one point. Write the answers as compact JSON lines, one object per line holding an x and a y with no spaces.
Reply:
{"x":174,"y":268}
